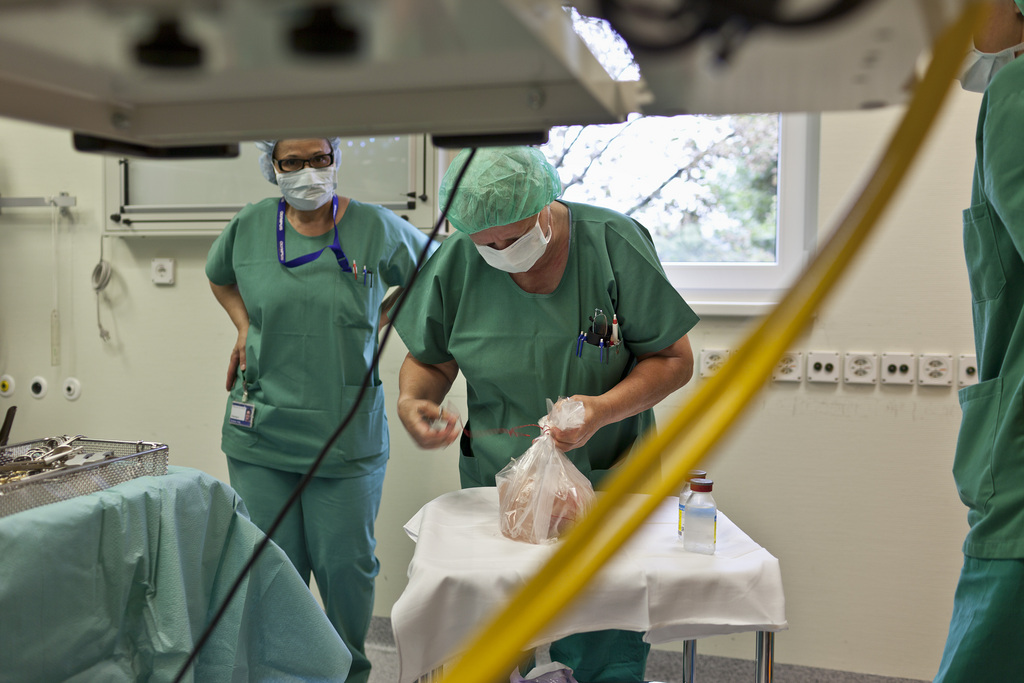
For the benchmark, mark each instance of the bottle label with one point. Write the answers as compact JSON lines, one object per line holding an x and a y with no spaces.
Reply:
{"x":683,"y":496}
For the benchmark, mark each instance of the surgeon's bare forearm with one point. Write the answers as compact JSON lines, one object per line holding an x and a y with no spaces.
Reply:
{"x":421,"y":388}
{"x":425,"y":381}
{"x":655,"y":376}
{"x":230,"y":299}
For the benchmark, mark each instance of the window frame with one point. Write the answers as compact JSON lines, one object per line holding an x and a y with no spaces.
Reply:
{"x":750,"y":289}
{"x":127,"y":219}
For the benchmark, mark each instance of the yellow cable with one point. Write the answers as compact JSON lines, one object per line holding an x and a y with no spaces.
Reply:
{"x":661,"y":464}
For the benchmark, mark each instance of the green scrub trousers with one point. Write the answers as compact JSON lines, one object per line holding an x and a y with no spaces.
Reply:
{"x":987,"y":618}
{"x":603,"y":656}
{"x":329,"y":532}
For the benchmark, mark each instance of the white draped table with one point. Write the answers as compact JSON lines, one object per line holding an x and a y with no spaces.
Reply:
{"x":463,"y":570}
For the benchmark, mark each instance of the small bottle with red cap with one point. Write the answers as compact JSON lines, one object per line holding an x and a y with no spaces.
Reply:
{"x":684,"y":495}
{"x":700,"y":518}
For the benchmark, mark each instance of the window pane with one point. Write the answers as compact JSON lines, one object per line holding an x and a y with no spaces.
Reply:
{"x":705,"y":186}
{"x":731,"y":201}
{"x":376,"y":169}
{"x":372,"y":169}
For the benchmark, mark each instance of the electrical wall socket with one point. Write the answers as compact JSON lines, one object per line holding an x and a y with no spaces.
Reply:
{"x":898,"y":368}
{"x":968,"y":369}
{"x":935,"y":369}
{"x":37,"y":387}
{"x":860,"y":368}
{"x":711,"y":361}
{"x":790,"y":367}
{"x":162,"y":271}
{"x":72,"y":389}
{"x":823,"y":366}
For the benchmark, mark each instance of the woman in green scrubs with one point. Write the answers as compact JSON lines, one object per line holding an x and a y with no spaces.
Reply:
{"x":532,"y":299}
{"x":986,"y":632}
{"x":302,"y":278}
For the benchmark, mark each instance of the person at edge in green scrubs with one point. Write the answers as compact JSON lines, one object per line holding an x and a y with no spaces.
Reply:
{"x":302,"y":278}
{"x":532,"y":299}
{"x":986,"y":632}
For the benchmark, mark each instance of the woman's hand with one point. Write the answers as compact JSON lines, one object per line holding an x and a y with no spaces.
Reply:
{"x":230,"y":298}
{"x":237,"y":361}
{"x":421,"y":388}
{"x":654,"y":377}
{"x":418,"y":416}
{"x":593,"y":420}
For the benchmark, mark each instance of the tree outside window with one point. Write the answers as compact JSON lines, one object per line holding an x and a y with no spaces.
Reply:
{"x":706,"y":187}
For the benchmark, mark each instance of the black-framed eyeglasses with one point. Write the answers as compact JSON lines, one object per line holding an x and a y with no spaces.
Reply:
{"x":291,"y":164}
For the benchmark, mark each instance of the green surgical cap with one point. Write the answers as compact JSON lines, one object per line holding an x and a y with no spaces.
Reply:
{"x":1020,"y":5}
{"x":502,"y":185}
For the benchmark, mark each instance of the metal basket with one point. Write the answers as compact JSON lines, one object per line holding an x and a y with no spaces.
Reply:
{"x":122,"y":461}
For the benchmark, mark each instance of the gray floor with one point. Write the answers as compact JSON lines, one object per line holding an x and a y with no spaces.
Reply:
{"x":662,"y":666}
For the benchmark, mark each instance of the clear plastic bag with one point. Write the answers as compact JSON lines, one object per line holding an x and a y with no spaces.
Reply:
{"x":541,"y":494}
{"x":555,"y":672}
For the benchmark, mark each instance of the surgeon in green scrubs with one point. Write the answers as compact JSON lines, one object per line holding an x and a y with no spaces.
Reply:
{"x":532,"y":299}
{"x":302,"y":277}
{"x":986,"y":633}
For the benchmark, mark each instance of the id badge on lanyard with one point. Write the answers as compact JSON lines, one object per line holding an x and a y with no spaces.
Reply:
{"x":242,"y":412}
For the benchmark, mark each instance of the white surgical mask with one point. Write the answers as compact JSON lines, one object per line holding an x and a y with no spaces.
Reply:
{"x":521,"y":255}
{"x":309,"y":188}
{"x":980,"y":68}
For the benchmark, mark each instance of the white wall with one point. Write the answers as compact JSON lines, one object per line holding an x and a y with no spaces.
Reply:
{"x":849,"y":487}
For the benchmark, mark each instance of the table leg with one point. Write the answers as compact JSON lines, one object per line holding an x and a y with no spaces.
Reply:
{"x":764,"y":656}
{"x":689,"y":660}
{"x":432,"y":676}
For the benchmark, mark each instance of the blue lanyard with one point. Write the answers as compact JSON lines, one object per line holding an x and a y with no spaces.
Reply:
{"x":334,"y":246}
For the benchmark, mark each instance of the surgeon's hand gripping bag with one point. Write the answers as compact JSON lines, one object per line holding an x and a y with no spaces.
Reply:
{"x":541,"y":494}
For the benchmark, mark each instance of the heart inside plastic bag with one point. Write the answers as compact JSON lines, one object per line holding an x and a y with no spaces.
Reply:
{"x":541,"y":494}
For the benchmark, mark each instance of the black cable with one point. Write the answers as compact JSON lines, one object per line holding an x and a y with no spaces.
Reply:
{"x":330,"y":442}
